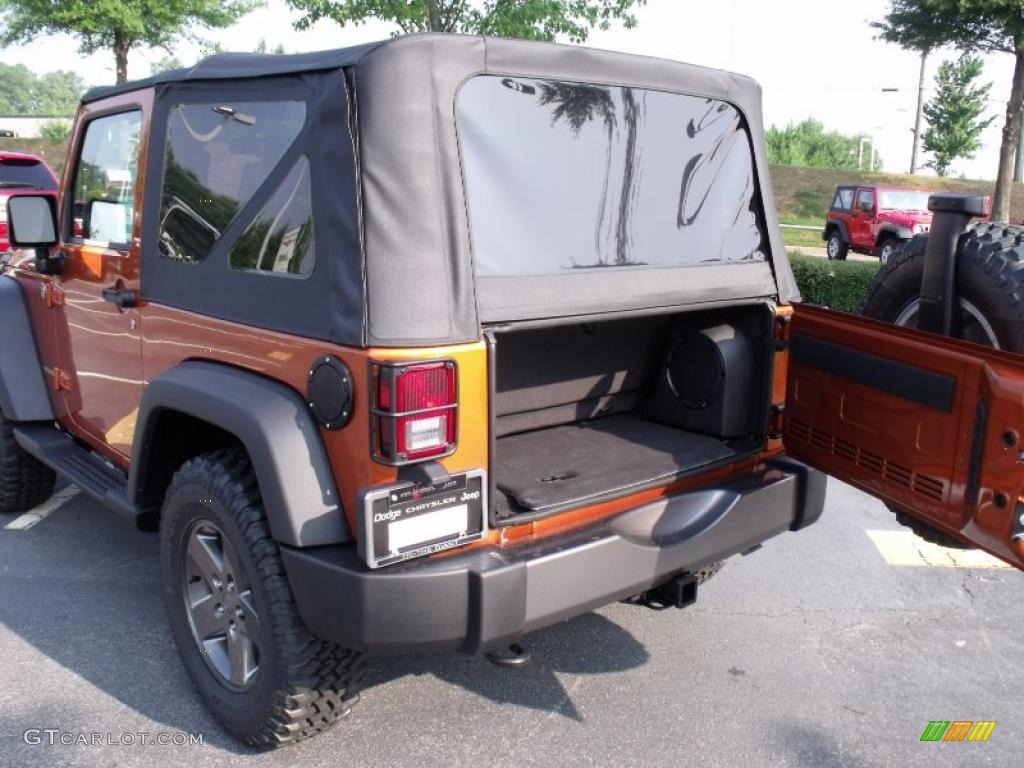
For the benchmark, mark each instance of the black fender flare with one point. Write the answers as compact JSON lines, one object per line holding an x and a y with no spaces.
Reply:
{"x":837,"y":224}
{"x":23,"y":392}
{"x":891,"y":230}
{"x":274,"y":425}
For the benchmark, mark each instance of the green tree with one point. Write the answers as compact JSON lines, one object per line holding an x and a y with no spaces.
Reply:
{"x":165,"y":63}
{"x":116,"y":25}
{"x":808,"y":144}
{"x":55,"y":130}
{"x":22,"y":92}
{"x":530,"y":19}
{"x":971,"y":26}
{"x":955,"y":114}
{"x":264,"y":47}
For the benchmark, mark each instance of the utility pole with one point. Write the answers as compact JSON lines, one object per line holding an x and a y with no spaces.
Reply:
{"x":920,"y":109}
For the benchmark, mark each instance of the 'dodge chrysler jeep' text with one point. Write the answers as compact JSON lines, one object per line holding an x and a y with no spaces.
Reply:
{"x":426,"y":344}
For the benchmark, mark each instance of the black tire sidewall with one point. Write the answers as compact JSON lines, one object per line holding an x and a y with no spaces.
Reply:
{"x":239,"y":711}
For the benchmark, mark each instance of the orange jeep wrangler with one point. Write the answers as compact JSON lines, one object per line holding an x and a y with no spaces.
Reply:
{"x":425,"y":344}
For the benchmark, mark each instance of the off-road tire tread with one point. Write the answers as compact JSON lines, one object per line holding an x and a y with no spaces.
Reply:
{"x":25,"y":482}
{"x":998,"y":250}
{"x":322,"y":679}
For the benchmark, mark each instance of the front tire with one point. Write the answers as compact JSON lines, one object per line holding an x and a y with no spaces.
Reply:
{"x":836,"y":247}
{"x":887,"y":248}
{"x":254,"y":662}
{"x":25,"y":482}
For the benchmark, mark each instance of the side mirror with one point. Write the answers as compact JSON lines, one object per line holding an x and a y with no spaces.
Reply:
{"x":32,"y":221}
{"x":109,"y":222}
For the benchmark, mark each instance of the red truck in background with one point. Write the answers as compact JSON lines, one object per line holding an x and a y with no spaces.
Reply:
{"x":874,"y":220}
{"x":21,"y":173}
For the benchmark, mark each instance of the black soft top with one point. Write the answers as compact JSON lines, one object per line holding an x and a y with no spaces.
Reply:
{"x":402,"y":270}
{"x":232,"y":66}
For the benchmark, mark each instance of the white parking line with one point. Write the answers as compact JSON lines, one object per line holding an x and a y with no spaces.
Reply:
{"x":903,"y":548}
{"x":47,"y":508}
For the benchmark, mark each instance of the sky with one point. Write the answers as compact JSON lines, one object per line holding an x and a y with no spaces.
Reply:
{"x":813,"y":58}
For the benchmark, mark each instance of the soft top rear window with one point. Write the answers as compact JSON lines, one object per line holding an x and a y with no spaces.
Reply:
{"x":565,"y":175}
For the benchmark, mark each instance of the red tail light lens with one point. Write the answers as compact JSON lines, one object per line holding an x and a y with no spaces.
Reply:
{"x":414,"y":411}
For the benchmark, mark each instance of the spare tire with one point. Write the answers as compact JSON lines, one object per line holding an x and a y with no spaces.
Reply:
{"x":990,"y":285}
{"x":989,"y":279}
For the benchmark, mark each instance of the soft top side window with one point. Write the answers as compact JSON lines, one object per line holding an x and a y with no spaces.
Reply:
{"x":843,"y":200}
{"x":280,"y":239}
{"x":217,"y":156}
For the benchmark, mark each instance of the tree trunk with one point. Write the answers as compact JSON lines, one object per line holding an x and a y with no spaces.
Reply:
{"x":1011,"y":137}
{"x":1018,"y":170}
{"x":121,"y":48}
{"x":434,"y":16}
{"x":917,"y":118}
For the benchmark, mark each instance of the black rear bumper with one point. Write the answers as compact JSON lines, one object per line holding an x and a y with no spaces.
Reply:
{"x":489,"y":596}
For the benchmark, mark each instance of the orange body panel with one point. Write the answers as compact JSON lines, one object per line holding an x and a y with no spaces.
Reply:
{"x":917,"y":458}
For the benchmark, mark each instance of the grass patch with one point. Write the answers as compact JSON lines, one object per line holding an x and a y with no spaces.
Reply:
{"x":838,"y":285}
{"x":802,"y":238}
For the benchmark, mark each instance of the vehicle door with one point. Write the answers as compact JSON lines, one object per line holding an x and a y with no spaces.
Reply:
{"x":931,"y":425}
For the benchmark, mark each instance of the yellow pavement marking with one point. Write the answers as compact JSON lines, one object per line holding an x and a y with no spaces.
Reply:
{"x":903,"y":548}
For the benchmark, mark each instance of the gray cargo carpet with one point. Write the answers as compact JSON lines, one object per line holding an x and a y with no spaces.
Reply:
{"x":569,"y":464}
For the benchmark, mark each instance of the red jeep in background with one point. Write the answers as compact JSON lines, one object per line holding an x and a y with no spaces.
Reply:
{"x":874,"y":220}
{"x":21,"y":173}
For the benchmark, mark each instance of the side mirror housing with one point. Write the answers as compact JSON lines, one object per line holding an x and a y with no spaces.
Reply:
{"x":32,"y":221}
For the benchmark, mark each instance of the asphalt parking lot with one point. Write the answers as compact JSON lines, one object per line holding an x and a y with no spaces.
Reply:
{"x":814,"y":651}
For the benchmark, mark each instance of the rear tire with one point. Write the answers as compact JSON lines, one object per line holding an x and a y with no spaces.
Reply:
{"x":836,"y":247}
{"x":228,"y":598}
{"x":25,"y":482}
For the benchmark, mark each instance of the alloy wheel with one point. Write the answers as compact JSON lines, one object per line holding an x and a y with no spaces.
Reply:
{"x":973,"y":325}
{"x":220,"y":606}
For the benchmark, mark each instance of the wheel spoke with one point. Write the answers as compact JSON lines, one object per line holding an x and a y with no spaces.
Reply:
{"x":205,"y":618}
{"x":232,"y":564}
{"x":249,"y":617}
{"x":205,"y":555}
{"x":242,"y":653}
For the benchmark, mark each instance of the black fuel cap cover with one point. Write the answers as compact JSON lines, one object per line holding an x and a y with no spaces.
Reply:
{"x":329,"y":392}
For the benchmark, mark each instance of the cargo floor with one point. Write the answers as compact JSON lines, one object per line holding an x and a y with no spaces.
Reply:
{"x":541,"y":471}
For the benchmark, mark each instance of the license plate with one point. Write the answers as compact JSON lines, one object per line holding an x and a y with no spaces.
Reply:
{"x":406,"y":521}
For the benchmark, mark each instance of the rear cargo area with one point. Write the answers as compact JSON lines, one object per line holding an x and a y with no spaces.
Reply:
{"x":588,"y":412}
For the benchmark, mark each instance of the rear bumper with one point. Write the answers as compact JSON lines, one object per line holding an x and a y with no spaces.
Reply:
{"x":490,"y":596}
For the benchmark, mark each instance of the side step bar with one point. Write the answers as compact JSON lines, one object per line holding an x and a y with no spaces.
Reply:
{"x":100,"y":480}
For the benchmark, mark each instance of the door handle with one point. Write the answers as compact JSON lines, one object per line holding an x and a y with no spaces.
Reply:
{"x":122,"y":297}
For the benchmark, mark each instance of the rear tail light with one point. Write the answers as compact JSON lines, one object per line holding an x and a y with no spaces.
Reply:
{"x":414,"y":410}
{"x":3,"y":208}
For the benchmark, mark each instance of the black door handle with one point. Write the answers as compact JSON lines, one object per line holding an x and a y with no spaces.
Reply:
{"x":122,"y":297}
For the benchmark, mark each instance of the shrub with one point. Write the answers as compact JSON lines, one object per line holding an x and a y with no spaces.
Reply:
{"x":838,"y":285}
{"x":55,"y":130}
